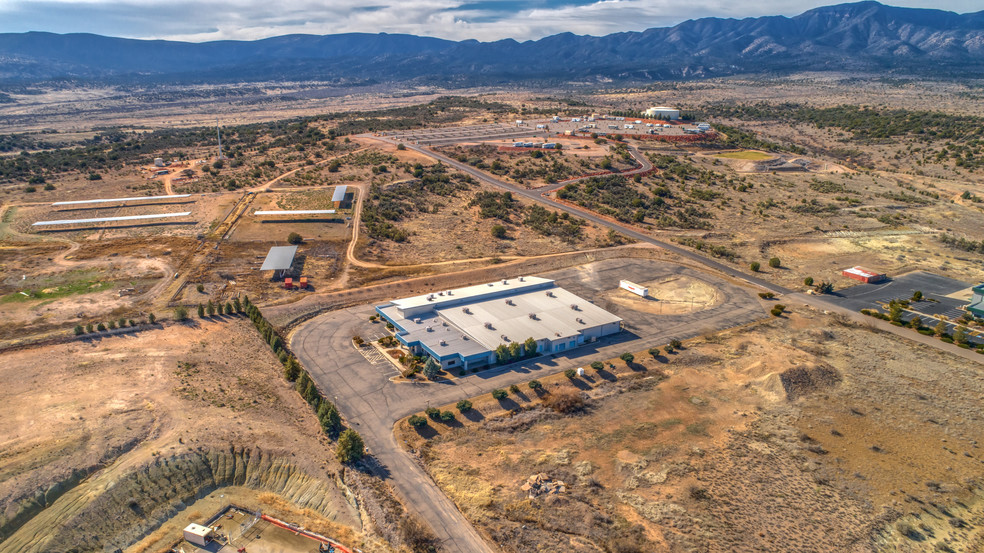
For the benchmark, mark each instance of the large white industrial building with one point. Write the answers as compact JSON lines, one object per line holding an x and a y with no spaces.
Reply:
{"x":462,"y":328}
{"x":661,"y":112}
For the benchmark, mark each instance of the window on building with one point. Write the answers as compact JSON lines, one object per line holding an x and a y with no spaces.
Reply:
{"x":561,"y":347}
{"x":572,"y":343}
{"x":452,"y":362}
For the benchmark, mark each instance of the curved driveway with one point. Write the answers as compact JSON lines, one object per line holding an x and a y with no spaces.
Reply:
{"x":372,"y":404}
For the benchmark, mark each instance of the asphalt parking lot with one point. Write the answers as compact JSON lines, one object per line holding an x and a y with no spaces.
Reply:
{"x":935,"y":288}
{"x":371,"y":403}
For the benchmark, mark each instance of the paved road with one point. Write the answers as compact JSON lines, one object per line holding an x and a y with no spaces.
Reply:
{"x":360,"y":384}
{"x":373,"y":404}
{"x":540,"y":195}
{"x":818,"y":302}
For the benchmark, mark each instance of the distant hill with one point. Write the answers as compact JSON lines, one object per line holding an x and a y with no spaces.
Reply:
{"x":864,"y":36}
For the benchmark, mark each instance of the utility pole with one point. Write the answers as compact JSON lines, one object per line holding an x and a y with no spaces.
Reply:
{"x":218,"y":133}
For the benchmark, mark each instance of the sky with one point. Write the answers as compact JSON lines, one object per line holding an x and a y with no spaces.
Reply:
{"x":486,"y":20}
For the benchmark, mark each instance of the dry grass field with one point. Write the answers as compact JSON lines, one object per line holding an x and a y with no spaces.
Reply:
{"x":803,"y":433}
{"x":155,"y":411}
{"x":798,"y":434}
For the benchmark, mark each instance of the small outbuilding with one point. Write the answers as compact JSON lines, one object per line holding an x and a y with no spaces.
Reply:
{"x":198,"y":534}
{"x":279,"y":259}
{"x":339,"y":196}
{"x":864,"y":275}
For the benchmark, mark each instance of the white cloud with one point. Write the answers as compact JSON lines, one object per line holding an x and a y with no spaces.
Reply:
{"x":454,"y":19}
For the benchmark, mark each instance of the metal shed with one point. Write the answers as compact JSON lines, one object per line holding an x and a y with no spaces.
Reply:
{"x":279,"y":258}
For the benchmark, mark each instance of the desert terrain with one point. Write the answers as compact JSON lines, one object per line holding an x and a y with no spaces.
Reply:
{"x":134,"y":408}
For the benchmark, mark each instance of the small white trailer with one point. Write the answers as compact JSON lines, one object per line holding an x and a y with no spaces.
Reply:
{"x":198,"y":534}
{"x":634,"y":288}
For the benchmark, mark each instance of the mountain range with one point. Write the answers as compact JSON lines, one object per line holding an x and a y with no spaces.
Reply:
{"x":863,"y":36}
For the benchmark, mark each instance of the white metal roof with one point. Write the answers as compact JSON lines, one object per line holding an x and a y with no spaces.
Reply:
{"x":861,"y":271}
{"x":440,"y":299}
{"x":111,"y":219}
{"x":455,"y":339}
{"x":279,"y":258}
{"x":198,"y":530}
{"x":555,"y":319}
{"x":339,"y":194}
{"x":297,"y":212}
{"x":114,"y":200}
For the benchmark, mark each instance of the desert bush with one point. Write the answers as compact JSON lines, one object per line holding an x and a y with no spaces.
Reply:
{"x":597,"y":365}
{"x":358,"y":340}
{"x":464,"y":406}
{"x":79,"y":330}
{"x":700,"y":494}
{"x":201,"y":311}
{"x":808,"y":281}
{"x":565,"y":401}
{"x":677,"y":344}
{"x":433,"y":412}
{"x":88,"y":328}
{"x":447,"y":416}
{"x":200,"y":287}
{"x":766,"y":295}
{"x":417,"y":421}
{"x":499,"y":394}
{"x":535,"y":385}
{"x":112,"y":324}
{"x":101,"y":327}
{"x":627,"y":357}
{"x":514,"y":389}
{"x":180,"y":313}
{"x":755,"y":266}
{"x":570,"y":373}
{"x":775,"y":263}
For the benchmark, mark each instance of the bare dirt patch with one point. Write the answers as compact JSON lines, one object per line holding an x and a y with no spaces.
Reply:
{"x":814,"y":416}
{"x":121,"y":404}
{"x":671,"y":296}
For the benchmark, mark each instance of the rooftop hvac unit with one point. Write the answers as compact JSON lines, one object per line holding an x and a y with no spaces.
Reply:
{"x":522,"y":279}
{"x":443,"y":343}
{"x":557,"y":334}
{"x":430,"y":297}
{"x":445,"y":323}
{"x":580,"y":320}
{"x":574,"y":306}
{"x":504,"y":337}
{"x":488,"y":326}
{"x":466,"y":311}
{"x":550,"y":294}
{"x":532,"y":316}
{"x":416,"y":321}
{"x":509,"y":302}
{"x":505,"y":282}
{"x":429,"y":329}
{"x":464,"y":337}
{"x":491,"y":284}
{"x":448,"y":292}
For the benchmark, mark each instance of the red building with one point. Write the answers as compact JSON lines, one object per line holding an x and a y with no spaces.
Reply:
{"x":864,"y":275}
